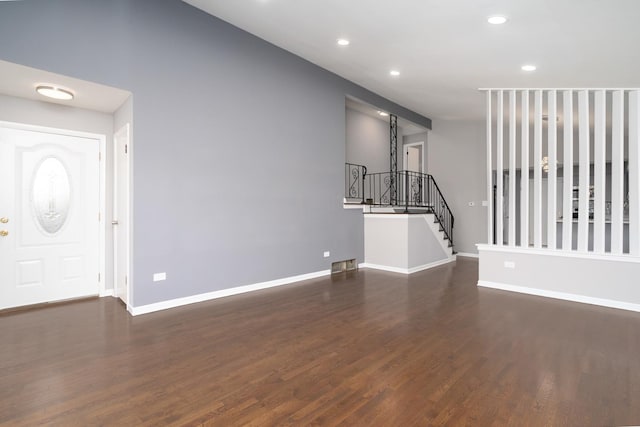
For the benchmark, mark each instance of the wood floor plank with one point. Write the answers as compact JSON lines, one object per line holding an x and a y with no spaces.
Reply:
{"x":365,"y":348}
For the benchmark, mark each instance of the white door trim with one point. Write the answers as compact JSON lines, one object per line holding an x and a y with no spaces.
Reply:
{"x":405,"y":158}
{"x":125,"y":129}
{"x":102,"y":208}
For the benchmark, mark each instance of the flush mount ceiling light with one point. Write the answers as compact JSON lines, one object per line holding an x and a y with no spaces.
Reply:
{"x":54,"y":92}
{"x":343,"y":42}
{"x":528,"y":68}
{"x":497,"y":19}
{"x":394,"y":73}
{"x":383,"y":114}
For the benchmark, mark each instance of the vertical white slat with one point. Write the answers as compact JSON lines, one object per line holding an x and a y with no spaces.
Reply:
{"x":599,"y":170}
{"x":489,"y":173}
{"x":499,"y":169}
{"x":524,"y":172}
{"x":537,"y":170}
{"x":617,"y":172}
{"x":553,"y":168}
{"x":584,"y":168}
{"x":512,"y":168}
{"x":567,"y":191}
{"x":634,"y":172}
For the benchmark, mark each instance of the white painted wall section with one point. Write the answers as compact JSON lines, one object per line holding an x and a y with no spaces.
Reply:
{"x":606,"y":280}
{"x":404,"y":243}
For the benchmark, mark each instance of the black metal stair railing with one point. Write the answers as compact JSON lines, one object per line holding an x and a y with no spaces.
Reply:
{"x":441,"y":209}
{"x":415,"y":191}
{"x":354,"y":176}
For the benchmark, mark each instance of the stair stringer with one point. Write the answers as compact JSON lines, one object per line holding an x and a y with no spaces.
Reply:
{"x":430,"y":218}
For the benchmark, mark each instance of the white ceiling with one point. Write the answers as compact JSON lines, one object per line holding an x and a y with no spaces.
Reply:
{"x":20,"y":81}
{"x":446,"y":50}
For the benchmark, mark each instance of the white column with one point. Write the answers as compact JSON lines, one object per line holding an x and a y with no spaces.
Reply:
{"x":524,"y":172}
{"x":512,"y":168}
{"x":584,"y":168}
{"x":617,"y":172}
{"x":551,"y":174}
{"x":599,"y":169}
{"x":567,"y":191}
{"x":489,"y":173}
{"x":499,"y":170}
{"x":537,"y":170}
{"x":634,"y":172}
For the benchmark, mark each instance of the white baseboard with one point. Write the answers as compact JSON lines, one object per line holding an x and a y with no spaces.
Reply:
{"x":107,"y":293}
{"x":408,"y":270}
{"x":468,"y":255}
{"x":177,"y":302}
{"x":561,"y":295}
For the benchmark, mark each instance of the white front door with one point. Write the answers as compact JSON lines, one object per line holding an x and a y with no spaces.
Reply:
{"x":49,"y":216}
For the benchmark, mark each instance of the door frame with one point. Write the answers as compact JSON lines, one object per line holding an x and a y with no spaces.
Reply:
{"x":102,"y":187}
{"x":126,"y":128}
{"x":405,"y":158}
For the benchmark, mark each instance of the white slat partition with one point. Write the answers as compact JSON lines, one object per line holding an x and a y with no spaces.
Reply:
{"x":552,"y":166}
{"x":584,"y":170}
{"x":599,"y":170}
{"x":512,"y":168}
{"x":596,"y":177}
{"x":537,"y":170}
{"x":524,"y":172}
{"x":617,"y":172}
{"x":567,"y":190}
{"x":489,"y":172}
{"x":634,"y":172}
{"x":499,"y":170}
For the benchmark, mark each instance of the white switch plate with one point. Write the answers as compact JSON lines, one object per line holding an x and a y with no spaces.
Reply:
{"x":509,"y":264}
{"x":485,"y":203}
{"x":159,"y":276}
{"x":326,"y":254}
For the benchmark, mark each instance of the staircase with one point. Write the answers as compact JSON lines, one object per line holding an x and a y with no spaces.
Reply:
{"x":405,"y":192}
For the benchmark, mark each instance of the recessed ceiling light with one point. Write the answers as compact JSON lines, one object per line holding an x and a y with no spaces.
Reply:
{"x":528,"y":68}
{"x":394,"y":73}
{"x":383,"y":114}
{"x":54,"y":92}
{"x":497,"y":19}
{"x":343,"y":42}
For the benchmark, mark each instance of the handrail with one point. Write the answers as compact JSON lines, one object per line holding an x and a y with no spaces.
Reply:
{"x":445,"y":217}
{"x":412,"y":190}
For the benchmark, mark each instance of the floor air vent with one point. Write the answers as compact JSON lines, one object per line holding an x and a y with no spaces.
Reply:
{"x":342,"y":266}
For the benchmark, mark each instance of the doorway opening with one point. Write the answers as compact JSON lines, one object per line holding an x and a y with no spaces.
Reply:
{"x":414,"y":157}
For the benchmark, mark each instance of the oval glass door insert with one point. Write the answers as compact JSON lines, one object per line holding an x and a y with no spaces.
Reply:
{"x":51,"y":195}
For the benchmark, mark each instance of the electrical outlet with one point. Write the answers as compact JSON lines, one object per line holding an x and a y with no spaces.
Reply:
{"x":509,"y":264}
{"x":159,"y":276}
{"x":326,"y":254}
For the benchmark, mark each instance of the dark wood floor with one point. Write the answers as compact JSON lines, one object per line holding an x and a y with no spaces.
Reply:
{"x":369,"y":348}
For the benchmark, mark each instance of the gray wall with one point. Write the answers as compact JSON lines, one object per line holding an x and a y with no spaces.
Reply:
{"x":456,"y":157}
{"x":216,"y":110}
{"x":20,"y":110}
{"x":416,"y":137}
{"x":610,"y":282}
{"x":367,"y":141}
